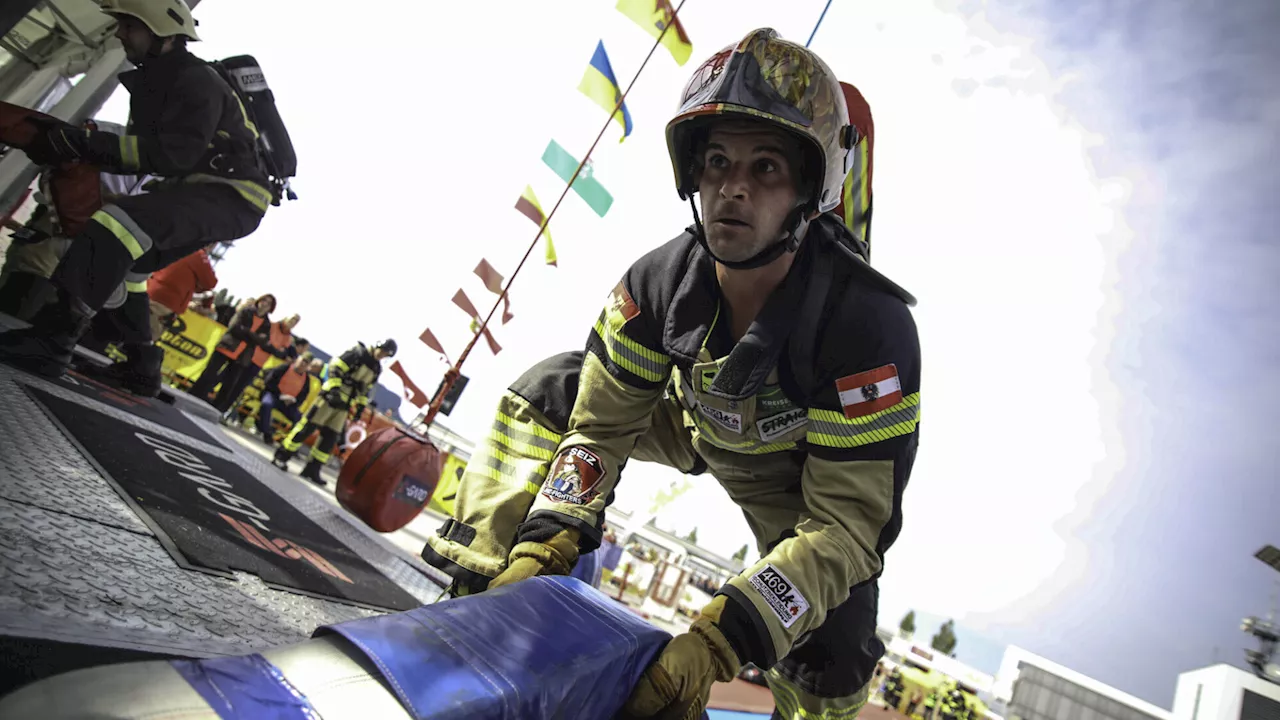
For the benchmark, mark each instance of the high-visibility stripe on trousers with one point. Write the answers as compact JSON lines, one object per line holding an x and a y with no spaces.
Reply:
{"x":323,"y":419}
{"x":142,"y":233}
{"x":792,"y":702}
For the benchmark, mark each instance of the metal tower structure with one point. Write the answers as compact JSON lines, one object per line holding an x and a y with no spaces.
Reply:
{"x":1264,"y":660}
{"x":48,"y":44}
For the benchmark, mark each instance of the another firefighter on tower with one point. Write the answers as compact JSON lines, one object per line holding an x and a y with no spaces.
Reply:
{"x":351,"y":378}
{"x":187,"y":126}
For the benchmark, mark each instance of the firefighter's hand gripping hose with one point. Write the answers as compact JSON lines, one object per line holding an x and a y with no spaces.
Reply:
{"x":677,"y":685}
{"x":554,"y":556}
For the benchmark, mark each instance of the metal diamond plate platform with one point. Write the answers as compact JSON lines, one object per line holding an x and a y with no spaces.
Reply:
{"x":77,"y":565}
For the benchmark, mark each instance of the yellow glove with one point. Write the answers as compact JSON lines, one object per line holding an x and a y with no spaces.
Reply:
{"x":554,"y":556}
{"x":677,"y":685}
{"x":457,"y":590}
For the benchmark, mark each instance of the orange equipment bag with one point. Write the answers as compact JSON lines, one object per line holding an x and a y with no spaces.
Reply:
{"x":389,"y":478}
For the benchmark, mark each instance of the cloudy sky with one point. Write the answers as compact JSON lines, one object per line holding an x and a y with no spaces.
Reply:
{"x":1081,"y":200}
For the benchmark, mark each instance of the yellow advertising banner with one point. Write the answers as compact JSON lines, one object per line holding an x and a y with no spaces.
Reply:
{"x":188,"y":344}
{"x":446,"y":493}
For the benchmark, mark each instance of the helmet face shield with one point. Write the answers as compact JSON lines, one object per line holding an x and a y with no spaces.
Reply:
{"x":742,"y":83}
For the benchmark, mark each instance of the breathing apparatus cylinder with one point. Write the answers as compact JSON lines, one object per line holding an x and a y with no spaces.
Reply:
{"x":249,"y":81}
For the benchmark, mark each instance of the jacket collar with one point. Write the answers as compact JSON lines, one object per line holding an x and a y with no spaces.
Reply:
{"x":748,"y":365}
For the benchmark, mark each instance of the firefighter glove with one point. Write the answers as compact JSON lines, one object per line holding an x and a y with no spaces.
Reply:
{"x":554,"y":556}
{"x":677,"y":685}
{"x":59,"y":144}
{"x":333,"y":397}
{"x":27,"y":235}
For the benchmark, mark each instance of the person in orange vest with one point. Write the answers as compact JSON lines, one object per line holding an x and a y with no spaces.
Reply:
{"x":231,"y":357}
{"x":286,"y":389}
{"x":280,"y":344}
{"x":172,"y":288}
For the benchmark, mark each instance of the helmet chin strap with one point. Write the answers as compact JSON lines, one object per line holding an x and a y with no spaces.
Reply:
{"x":788,"y":244}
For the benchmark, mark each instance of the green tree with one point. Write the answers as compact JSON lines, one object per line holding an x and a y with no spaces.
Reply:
{"x":945,"y":640}
{"x":741,"y":555}
{"x":692,"y":537}
{"x":908,"y":625}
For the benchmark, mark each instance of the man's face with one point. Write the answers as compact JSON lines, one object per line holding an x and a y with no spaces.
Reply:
{"x":747,"y":188}
{"x":265,"y":306}
{"x":316,"y":367}
{"x":135,"y":37}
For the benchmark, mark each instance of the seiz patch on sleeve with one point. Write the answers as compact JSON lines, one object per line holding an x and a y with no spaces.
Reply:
{"x":621,"y":308}
{"x":780,"y":593}
{"x":575,"y":476}
{"x":869,"y":392}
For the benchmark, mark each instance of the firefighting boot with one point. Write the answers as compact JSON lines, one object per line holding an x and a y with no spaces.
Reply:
{"x":139,"y":374}
{"x":46,"y":348}
{"x":312,"y":472}
{"x":281,"y":459}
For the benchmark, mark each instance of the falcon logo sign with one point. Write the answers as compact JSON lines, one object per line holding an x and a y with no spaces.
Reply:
{"x":780,"y":593}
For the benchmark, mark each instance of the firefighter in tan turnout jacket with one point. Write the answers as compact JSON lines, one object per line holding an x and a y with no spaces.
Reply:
{"x":352,"y":376}
{"x":758,"y":346}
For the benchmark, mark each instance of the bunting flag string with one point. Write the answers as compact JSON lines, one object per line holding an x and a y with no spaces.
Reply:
{"x":600,"y":84}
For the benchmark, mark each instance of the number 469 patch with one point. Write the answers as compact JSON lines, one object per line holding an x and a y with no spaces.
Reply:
{"x":780,"y":593}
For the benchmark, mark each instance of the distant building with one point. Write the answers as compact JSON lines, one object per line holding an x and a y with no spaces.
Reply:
{"x":900,"y":650}
{"x":1223,"y":692}
{"x":1033,"y":688}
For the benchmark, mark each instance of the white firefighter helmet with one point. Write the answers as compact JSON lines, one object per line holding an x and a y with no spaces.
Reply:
{"x":165,"y":18}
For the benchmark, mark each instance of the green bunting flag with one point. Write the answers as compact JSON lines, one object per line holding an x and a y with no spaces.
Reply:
{"x":587,"y":187}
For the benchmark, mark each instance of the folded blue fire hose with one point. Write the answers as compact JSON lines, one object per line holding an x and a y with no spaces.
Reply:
{"x":548,"y":647}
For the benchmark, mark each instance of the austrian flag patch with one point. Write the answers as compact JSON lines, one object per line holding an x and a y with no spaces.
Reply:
{"x":621,"y":304}
{"x":867,"y":393}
